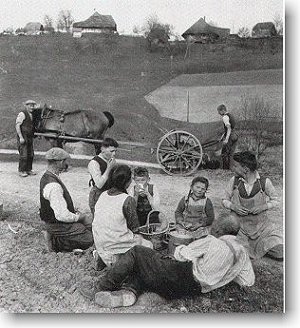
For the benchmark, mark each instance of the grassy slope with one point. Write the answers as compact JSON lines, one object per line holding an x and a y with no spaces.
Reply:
{"x":73,"y":73}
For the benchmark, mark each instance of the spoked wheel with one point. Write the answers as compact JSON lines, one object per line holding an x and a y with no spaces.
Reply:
{"x":179,"y":153}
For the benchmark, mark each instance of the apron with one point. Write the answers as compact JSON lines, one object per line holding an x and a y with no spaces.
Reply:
{"x":257,"y":233}
{"x":195,"y":214}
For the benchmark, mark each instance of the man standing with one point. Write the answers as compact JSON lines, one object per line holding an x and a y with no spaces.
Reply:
{"x":99,"y":168}
{"x":66,"y":228}
{"x":229,"y":136}
{"x":25,"y":132}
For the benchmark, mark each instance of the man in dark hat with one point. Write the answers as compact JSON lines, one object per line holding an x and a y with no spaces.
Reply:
{"x":249,"y":196}
{"x":25,"y":133}
{"x":229,"y":137}
{"x":66,"y":228}
{"x":200,"y":267}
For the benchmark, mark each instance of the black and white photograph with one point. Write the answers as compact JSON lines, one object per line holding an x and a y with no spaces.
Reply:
{"x":142,"y":150}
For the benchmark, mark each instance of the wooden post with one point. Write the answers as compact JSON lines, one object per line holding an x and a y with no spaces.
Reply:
{"x":188,"y":107}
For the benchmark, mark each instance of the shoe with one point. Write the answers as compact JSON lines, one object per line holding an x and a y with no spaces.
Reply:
{"x":23,"y":174}
{"x":31,"y":173}
{"x":115,"y":299}
{"x":99,"y":265}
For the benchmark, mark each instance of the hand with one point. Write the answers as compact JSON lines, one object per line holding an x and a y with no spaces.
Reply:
{"x":111,"y":163}
{"x":259,"y":209}
{"x":240,"y":210}
{"x":84,"y":218}
{"x":195,"y":227}
{"x":22,"y":141}
{"x":187,"y":226}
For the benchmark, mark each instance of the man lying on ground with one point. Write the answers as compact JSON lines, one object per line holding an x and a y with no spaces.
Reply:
{"x":202,"y":266}
{"x":66,"y":229}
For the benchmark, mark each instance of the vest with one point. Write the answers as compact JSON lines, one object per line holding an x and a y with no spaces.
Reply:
{"x":231,"y":121}
{"x":27,"y":126}
{"x":259,"y":185}
{"x":46,"y":212}
{"x":103,"y":166}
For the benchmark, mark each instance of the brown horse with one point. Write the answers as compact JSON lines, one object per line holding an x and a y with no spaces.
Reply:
{"x":82,"y":123}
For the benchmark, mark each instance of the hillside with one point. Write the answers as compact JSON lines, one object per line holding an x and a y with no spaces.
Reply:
{"x":112,"y":74}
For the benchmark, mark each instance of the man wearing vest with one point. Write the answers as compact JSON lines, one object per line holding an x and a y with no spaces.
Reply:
{"x":229,"y":136}
{"x":66,"y":228}
{"x":25,"y":132}
{"x":99,"y":168}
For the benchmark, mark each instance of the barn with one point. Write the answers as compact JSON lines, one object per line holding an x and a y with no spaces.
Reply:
{"x":33,"y":28}
{"x":203,"y":32}
{"x":263,"y":30}
{"x":95,"y":24}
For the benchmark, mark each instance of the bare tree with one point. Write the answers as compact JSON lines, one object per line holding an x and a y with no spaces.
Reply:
{"x":48,"y":21}
{"x":65,"y":20}
{"x":278,"y":22}
{"x":255,"y":116}
{"x":244,"y":32}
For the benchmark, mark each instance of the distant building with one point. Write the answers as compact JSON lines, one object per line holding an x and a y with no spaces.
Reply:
{"x":33,"y":28}
{"x":203,"y":32}
{"x":95,"y":24}
{"x":263,"y":30}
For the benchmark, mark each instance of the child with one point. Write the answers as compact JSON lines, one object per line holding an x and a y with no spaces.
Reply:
{"x":195,"y":213}
{"x":145,"y":194}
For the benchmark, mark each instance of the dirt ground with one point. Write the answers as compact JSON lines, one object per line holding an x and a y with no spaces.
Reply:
{"x":34,"y":280}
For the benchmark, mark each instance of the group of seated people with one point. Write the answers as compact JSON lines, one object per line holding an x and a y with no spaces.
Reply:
{"x":119,"y":208}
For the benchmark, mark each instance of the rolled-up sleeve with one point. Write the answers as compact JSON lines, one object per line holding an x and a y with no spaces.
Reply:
{"x":228,"y":193}
{"x":20,"y":118}
{"x":273,"y":199}
{"x":54,"y":193}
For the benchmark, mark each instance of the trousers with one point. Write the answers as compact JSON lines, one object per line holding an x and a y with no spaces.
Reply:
{"x":142,"y":269}
{"x":25,"y":155}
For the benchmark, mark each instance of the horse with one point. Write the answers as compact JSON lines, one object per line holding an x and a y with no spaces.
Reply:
{"x":82,"y":123}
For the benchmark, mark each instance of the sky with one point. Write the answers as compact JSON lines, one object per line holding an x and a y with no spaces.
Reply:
{"x":232,"y":14}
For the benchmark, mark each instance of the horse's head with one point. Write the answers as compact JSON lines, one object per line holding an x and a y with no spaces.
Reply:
{"x":39,"y":115}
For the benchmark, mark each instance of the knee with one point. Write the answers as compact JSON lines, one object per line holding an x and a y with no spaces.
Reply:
{"x":276,"y":252}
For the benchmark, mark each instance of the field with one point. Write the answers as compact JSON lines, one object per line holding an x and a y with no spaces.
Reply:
{"x":33,"y":280}
{"x":116,"y":74}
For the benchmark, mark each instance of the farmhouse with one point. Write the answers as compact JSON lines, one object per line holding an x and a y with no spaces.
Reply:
{"x":33,"y":28}
{"x":263,"y":30}
{"x":202,"y":32}
{"x":95,"y":24}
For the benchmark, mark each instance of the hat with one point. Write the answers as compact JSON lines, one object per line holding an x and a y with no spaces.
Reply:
{"x":29,"y":102}
{"x":246,"y":158}
{"x":56,"y":154}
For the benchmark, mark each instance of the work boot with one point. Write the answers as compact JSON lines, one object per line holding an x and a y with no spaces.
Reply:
{"x":23,"y":174}
{"x":31,"y":172}
{"x":115,"y":299}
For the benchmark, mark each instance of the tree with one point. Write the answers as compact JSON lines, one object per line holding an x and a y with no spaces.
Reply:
{"x":65,"y":20}
{"x":278,"y":22}
{"x":48,"y":21}
{"x":244,"y":32}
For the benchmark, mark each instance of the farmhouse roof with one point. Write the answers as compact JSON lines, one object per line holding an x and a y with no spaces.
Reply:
{"x":201,"y":27}
{"x":97,"y":21}
{"x":33,"y":26}
{"x":264,"y":26}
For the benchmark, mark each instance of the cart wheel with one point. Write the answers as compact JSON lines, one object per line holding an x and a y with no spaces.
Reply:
{"x":179,"y":153}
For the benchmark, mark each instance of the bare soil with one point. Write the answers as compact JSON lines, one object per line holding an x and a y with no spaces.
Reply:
{"x":34,"y":280}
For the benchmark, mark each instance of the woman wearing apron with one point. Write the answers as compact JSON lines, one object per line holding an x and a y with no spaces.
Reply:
{"x":249,"y":196}
{"x":195,"y":213}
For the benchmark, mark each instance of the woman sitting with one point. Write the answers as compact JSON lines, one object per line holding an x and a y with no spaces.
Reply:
{"x":116,"y":218}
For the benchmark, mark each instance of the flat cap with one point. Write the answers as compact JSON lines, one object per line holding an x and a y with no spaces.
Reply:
{"x":245,"y":157}
{"x":29,"y":102}
{"x":56,"y":154}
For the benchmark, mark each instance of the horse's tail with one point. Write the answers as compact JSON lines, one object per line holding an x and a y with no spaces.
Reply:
{"x":110,"y":118}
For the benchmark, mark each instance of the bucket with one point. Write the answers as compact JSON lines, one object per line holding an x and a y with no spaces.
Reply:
{"x":176,"y":238}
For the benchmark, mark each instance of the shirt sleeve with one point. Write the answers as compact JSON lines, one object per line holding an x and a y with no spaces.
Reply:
{"x":156,"y":199}
{"x":95,"y":172}
{"x":273,"y":199}
{"x":179,"y":210}
{"x":20,"y":118}
{"x":54,"y":193}
{"x":130,"y":214}
{"x":226,"y":201}
{"x":226,"y":120}
{"x":209,"y":211}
